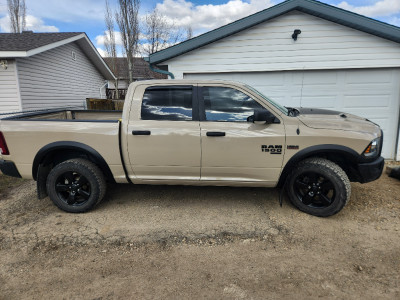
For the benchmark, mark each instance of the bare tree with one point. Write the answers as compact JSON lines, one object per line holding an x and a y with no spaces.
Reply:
{"x":17,"y":13}
{"x":128,"y":23}
{"x":189,"y":32}
{"x":156,"y":31}
{"x":160,"y":32}
{"x":110,"y":44}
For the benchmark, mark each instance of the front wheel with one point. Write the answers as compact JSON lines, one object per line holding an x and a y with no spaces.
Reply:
{"x":318,"y":187}
{"x":76,"y":185}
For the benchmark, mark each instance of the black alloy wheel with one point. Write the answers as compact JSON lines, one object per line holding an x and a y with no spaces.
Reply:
{"x":76,"y":185}
{"x":314,"y":190}
{"x":318,"y":187}
{"x":73,"y":188}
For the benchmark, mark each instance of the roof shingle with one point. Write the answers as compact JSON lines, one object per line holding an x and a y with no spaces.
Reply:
{"x":28,"y":40}
{"x":141,"y":69}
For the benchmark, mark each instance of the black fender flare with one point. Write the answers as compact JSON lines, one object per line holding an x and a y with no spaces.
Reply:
{"x":73,"y":146}
{"x":318,"y":150}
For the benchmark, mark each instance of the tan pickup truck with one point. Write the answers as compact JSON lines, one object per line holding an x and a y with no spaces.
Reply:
{"x":193,"y":133}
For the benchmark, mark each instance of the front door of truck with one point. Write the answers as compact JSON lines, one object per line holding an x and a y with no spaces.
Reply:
{"x":164,"y":138}
{"x":234,"y":149}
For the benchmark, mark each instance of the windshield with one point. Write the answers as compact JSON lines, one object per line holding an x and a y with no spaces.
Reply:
{"x":278,"y":106}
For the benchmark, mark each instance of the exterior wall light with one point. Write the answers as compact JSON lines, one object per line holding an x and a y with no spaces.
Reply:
{"x":295,"y":34}
{"x":4,"y":64}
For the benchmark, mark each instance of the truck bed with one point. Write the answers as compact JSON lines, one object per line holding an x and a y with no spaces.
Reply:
{"x":29,"y":133}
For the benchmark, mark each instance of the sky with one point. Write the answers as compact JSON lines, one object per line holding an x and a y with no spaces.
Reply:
{"x":201,"y":15}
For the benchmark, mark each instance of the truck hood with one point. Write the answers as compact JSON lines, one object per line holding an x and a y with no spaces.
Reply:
{"x":331,"y":119}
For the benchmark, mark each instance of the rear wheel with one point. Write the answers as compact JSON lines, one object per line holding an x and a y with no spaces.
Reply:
{"x":76,"y":185}
{"x":318,"y":187}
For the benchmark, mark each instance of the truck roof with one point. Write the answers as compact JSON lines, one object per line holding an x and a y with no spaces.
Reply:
{"x":185,"y":81}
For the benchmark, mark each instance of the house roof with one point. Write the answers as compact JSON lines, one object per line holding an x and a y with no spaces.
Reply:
{"x":28,"y":40}
{"x":312,"y":7}
{"x":26,"y":44}
{"x":141,"y":69}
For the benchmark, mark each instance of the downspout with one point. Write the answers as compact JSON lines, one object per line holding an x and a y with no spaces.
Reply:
{"x":101,"y":89}
{"x":161,"y":71}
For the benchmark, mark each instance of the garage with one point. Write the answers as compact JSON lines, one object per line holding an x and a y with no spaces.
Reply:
{"x":304,"y":53}
{"x":367,"y":93}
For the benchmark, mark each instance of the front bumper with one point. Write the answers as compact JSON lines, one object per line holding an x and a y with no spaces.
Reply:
{"x":8,"y":168}
{"x":370,"y":171}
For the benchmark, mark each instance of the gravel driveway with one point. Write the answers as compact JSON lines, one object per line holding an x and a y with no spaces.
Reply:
{"x":172,"y":242}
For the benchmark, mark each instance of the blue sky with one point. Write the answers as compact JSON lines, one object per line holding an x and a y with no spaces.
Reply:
{"x":202,"y":15}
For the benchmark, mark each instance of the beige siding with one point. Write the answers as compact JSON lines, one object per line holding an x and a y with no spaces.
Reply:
{"x":54,"y":79}
{"x":269,"y":47}
{"x":9,"y":95}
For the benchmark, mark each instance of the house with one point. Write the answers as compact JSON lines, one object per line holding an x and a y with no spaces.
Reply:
{"x":141,"y":71}
{"x":49,"y":70}
{"x":304,"y":53}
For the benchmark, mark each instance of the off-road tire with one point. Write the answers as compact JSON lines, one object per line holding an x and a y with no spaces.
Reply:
{"x":322,"y":175}
{"x":87,"y":194}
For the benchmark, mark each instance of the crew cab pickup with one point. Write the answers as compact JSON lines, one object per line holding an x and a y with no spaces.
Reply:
{"x":183,"y":132}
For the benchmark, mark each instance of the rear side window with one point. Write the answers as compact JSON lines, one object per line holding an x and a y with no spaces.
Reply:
{"x":167,"y":103}
{"x":228,"y":105}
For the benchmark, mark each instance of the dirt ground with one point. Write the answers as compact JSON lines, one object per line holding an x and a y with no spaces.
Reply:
{"x":166,"y":242}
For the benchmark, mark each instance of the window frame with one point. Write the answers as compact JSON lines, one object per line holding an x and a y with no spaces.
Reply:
{"x":202,"y":111}
{"x":195,"y":102}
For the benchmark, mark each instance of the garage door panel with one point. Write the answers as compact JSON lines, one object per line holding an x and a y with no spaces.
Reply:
{"x":315,"y":79}
{"x":327,"y":102}
{"x":377,"y":91}
{"x":369,"y":93}
{"x":291,"y":101}
{"x":368,"y":77}
{"x":319,"y":91}
{"x":366,"y":100}
{"x":273,"y":80}
{"x":372,"y":87}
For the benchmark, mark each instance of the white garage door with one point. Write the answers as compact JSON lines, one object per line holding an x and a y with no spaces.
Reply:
{"x":372,"y":93}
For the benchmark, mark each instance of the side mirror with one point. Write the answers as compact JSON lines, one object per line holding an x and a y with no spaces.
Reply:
{"x":263,"y":115}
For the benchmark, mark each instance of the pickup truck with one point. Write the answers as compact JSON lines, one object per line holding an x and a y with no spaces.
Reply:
{"x":186,"y":132}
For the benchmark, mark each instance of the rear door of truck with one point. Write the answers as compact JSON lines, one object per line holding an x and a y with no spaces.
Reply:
{"x":164,"y":134}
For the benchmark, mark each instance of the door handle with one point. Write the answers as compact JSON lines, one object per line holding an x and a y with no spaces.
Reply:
{"x":141,"y":132}
{"x":215,"y":133}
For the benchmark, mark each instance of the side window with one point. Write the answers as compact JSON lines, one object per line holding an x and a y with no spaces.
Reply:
{"x":167,"y":103}
{"x":227,"y":104}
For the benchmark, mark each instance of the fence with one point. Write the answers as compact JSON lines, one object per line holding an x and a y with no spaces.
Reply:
{"x":104,"y":104}
{"x":112,"y":94}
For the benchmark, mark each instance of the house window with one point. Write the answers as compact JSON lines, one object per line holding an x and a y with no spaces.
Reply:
{"x":173,"y":103}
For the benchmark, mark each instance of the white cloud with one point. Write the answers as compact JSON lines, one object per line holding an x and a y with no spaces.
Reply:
{"x":68,"y":11}
{"x":201,"y":18}
{"x":32,"y":23}
{"x":102,"y":52}
{"x":100,"y":39}
{"x":5,"y":24}
{"x":3,"y":8}
{"x":381,"y":8}
{"x":206,"y":17}
{"x":37,"y":25}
